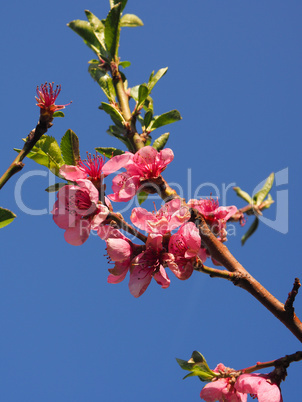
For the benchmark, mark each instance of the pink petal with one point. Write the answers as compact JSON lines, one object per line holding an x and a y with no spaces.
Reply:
{"x":161,"y":278}
{"x":166,"y":155}
{"x":116,"y":278}
{"x":99,"y":218}
{"x":118,"y":273}
{"x":78,"y":234}
{"x":259,"y":385}
{"x":118,"y":249}
{"x":61,"y":215}
{"x":213,"y":391}
{"x":90,"y":188}
{"x":72,"y":173}
{"x":139,"y":280}
{"x":145,"y":156}
{"x":124,"y":187}
{"x":180,"y":271}
{"x":116,"y":163}
{"x":154,"y":241}
{"x":140,"y":217}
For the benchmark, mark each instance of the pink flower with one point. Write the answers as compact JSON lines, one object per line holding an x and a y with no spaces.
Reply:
{"x":215,"y":216}
{"x":169,"y":217}
{"x":222,"y":390}
{"x":93,"y":168}
{"x":77,"y":210}
{"x":232,"y":389}
{"x":120,"y":251}
{"x":260,"y":386}
{"x":185,"y":246}
{"x":46,"y":97}
{"x":149,"y":264}
{"x":145,"y":164}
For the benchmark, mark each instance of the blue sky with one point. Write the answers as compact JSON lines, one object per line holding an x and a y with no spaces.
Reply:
{"x":235,"y":76}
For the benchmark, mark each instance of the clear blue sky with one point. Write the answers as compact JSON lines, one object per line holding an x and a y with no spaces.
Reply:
{"x":235,"y":76}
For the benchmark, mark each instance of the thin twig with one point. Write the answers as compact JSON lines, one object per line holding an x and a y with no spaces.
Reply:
{"x":289,"y":304}
{"x":122,"y":224}
{"x":32,"y":138}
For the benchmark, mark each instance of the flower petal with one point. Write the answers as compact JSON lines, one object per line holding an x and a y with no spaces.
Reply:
{"x":139,"y":280}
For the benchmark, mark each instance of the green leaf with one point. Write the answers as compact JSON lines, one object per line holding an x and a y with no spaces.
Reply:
{"x":143,"y":93}
{"x":103,"y":79}
{"x":260,"y":196}
{"x":47,"y":153}
{"x":112,"y":30}
{"x":70,"y":148}
{"x":109,"y":152}
{"x":98,"y":28}
{"x":114,"y":2}
{"x":166,"y":118}
{"x":141,"y":197}
{"x":115,"y":115}
{"x":198,"y":366}
{"x":84,"y":29}
{"x":6,"y":217}
{"x":161,"y":141}
{"x":131,"y":20}
{"x":243,"y":195}
{"x":55,"y":187}
{"x":125,"y":64}
{"x":147,"y":118}
{"x":155,"y":78}
{"x":117,"y":132}
{"x":251,"y":230}
{"x":58,"y":113}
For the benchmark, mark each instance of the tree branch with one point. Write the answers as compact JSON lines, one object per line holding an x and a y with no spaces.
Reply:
{"x":32,"y":138}
{"x":243,"y":279}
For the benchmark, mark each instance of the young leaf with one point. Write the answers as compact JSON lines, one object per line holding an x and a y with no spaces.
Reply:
{"x":109,"y":152}
{"x":131,"y":20}
{"x":6,"y":217}
{"x":58,"y":113}
{"x":166,"y":118}
{"x":143,"y":92}
{"x":155,"y":78}
{"x":134,"y":92}
{"x":245,"y":196}
{"x":112,"y":30}
{"x":114,"y":2}
{"x":251,"y":230}
{"x":97,"y":27}
{"x":161,"y":141}
{"x":103,"y":79}
{"x":260,"y":196}
{"x":147,"y":118}
{"x":55,"y":187}
{"x":141,"y":197}
{"x":115,"y":115}
{"x":70,"y":148}
{"x":47,"y":153}
{"x":198,"y":367}
{"x":125,"y":64}
{"x":84,"y":29}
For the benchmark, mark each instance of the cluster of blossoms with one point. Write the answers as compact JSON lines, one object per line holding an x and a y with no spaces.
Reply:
{"x":236,"y":389}
{"x":82,"y":207}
